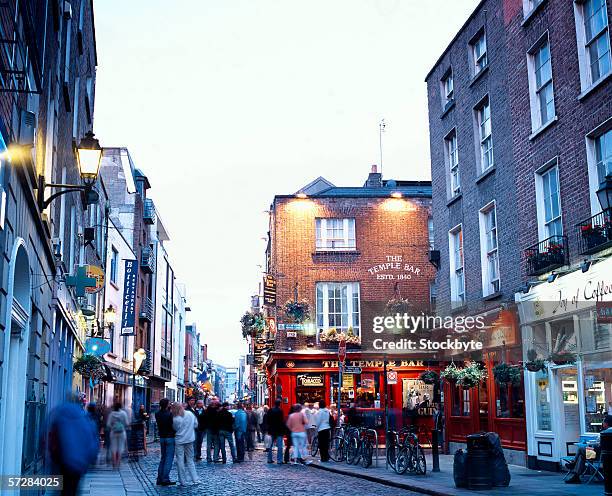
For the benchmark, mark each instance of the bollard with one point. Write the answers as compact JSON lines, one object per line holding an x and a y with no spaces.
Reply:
{"x":434,"y":451}
{"x":605,"y":438}
{"x":479,"y":462}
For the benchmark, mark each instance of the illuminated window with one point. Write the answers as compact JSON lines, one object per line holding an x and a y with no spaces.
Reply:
{"x":335,"y":234}
{"x":338,"y":306}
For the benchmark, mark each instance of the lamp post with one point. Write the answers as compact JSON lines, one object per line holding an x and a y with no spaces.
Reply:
{"x":89,"y":156}
{"x":604,"y":193}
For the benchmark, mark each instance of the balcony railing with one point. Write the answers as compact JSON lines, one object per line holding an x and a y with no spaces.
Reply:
{"x":149,"y":217}
{"x":147,"y":260}
{"x":546,"y":255}
{"x":146,"y":309}
{"x":595,"y":233}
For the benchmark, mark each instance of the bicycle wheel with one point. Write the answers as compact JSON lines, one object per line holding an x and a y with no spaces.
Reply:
{"x":419,"y":462}
{"x":402,"y":462}
{"x":367,"y":450}
{"x":352,"y":451}
{"x":314,"y":446}
{"x":392,"y":456}
{"x":336,"y":449}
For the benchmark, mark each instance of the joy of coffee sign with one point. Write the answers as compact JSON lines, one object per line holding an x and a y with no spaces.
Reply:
{"x":393,"y":268}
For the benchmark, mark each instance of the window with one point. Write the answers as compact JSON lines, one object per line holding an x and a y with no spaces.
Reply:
{"x":338,"y":306}
{"x":488,"y":250}
{"x":603,"y":155}
{"x":529,"y":6}
{"x":430,"y":233}
{"x":456,"y":267}
{"x":479,"y":52}
{"x":549,"y":204}
{"x":452,"y":155}
{"x":114,"y":265}
{"x":593,"y":37}
{"x":126,"y":348}
{"x":599,"y":159}
{"x":541,"y":84}
{"x":460,"y":401}
{"x":335,"y":234}
{"x":433,"y":294}
{"x":448,"y":89}
{"x":483,"y":120}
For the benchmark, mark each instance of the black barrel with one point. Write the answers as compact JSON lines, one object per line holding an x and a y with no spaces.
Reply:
{"x":606,"y":458}
{"x":479,"y":461}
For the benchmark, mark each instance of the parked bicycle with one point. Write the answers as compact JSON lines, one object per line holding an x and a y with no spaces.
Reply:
{"x":339,"y":443}
{"x":314,"y":445}
{"x":360,"y":448}
{"x":411,"y":456}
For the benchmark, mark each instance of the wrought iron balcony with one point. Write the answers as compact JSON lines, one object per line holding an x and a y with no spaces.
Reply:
{"x":595,"y":233}
{"x":147,"y":260}
{"x":149,"y":217}
{"x":546,"y":255}
{"x":146,"y":310}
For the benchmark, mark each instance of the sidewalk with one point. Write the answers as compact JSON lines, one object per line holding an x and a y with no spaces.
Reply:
{"x":524,"y":481}
{"x":102,"y":479}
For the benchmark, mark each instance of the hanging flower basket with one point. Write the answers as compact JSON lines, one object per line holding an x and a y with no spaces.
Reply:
{"x":398,"y":305}
{"x":333,"y":336}
{"x":563,"y":358}
{"x":298,"y":311}
{"x":90,"y":366}
{"x":507,"y":374}
{"x":451,"y":373}
{"x":535,"y":365}
{"x":471,"y":375}
{"x":253,"y":323}
{"x":429,"y":377}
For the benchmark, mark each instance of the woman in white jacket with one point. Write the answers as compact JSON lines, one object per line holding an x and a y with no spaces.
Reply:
{"x":185,"y":424}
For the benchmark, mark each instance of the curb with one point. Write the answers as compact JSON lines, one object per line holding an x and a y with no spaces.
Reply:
{"x":385,"y":482}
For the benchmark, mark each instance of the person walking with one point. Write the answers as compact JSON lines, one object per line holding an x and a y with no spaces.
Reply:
{"x":117,"y":424}
{"x":251,"y":430}
{"x":165,"y":430}
{"x":275,"y":424}
{"x":200,"y":415}
{"x":310,"y":427}
{"x":226,"y":426}
{"x":259,"y":413}
{"x":184,"y":423}
{"x":212,"y":432}
{"x":323,"y":430}
{"x":297,"y":422}
{"x":141,"y":419}
{"x":240,"y":431}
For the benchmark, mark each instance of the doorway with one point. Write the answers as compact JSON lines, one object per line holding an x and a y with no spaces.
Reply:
{"x":568,"y":430}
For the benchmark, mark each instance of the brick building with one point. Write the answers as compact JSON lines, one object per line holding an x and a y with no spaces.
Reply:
{"x":520,"y":131}
{"x":345,"y":252}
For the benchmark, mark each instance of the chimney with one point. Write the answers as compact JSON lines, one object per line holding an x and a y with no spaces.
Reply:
{"x":374,"y":178}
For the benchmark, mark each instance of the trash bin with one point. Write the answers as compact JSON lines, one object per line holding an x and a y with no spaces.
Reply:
{"x":605,"y":438}
{"x":479,"y":461}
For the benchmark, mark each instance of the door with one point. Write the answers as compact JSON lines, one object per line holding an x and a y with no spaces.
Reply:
{"x":568,"y":430}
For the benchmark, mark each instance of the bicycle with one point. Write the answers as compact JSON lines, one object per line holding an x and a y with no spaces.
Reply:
{"x":411,"y":456}
{"x":392,"y":448}
{"x":360,"y":448}
{"x":314,"y":446}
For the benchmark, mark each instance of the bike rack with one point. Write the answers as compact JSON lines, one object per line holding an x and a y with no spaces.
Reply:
{"x":375,"y":437}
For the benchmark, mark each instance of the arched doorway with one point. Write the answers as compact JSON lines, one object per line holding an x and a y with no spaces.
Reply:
{"x":15,"y":360}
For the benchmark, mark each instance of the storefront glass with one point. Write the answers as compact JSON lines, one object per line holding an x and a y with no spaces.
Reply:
{"x":460,"y":401}
{"x":542,"y":391}
{"x":597,"y":373}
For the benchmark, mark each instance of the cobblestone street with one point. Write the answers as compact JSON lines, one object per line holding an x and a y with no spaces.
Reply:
{"x":257,"y":477}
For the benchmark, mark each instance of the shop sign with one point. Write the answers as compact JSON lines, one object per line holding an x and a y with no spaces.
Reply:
{"x":269,"y":291}
{"x":97,"y":346}
{"x":391,"y":377}
{"x":374,"y":363}
{"x":128,"y":314}
{"x":96,"y":273}
{"x":604,"y":312}
{"x":291,"y":334}
{"x":271,"y":325}
{"x":348,"y":381}
{"x":351,"y":370}
{"x":394,"y":269}
{"x":290,"y":327}
{"x":310,"y":380}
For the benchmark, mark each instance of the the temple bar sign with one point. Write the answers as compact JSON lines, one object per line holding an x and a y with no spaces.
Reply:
{"x":310,"y":380}
{"x":394,"y":269}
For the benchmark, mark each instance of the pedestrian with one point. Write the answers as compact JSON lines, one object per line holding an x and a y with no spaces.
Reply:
{"x":200,"y":414}
{"x":310,"y":427}
{"x":142,"y":420}
{"x":166,"y":433}
{"x":251,"y":430}
{"x":297,"y":422}
{"x":117,"y":424}
{"x":267,"y":440}
{"x":240,"y":431}
{"x":259,"y":413}
{"x":323,"y":430}
{"x":226,"y":426}
{"x":212,"y":432}
{"x":275,"y":424}
{"x":184,"y":423}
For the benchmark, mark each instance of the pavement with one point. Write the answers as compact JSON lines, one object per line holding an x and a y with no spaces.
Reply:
{"x":523,"y":480}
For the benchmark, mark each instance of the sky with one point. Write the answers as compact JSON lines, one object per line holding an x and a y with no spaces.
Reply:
{"x":225,"y":103}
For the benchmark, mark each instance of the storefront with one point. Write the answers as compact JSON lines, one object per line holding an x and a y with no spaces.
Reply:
{"x":299,"y":377}
{"x":567,"y":398}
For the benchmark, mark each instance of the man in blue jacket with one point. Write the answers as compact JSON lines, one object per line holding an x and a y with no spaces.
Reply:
{"x":240,"y":429}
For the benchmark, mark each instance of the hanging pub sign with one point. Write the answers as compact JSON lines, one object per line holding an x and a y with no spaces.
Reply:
{"x":604,"y":312}
{"x":128,"y":315}
{"x":269,"y":292}
{"x":96,"y":273}
{"x":310,"y":380}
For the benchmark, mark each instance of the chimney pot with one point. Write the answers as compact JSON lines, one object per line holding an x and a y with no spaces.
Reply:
{"x":374,"y":168}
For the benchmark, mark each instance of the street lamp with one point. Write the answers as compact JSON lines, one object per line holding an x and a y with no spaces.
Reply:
{"x":89,"y":156}
{"x":604,"y":193}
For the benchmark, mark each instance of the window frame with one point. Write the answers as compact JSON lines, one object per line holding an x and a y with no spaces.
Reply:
{"x":475,"y":60}
{"x":448,"y":95}
{"x":325,"y":286}
{"x":536,"y":90}
{"x":587,"y":81}
{"x":543,"y":224}
{"x":458,"y":298}
{"x":114,"y":265}
{"x":452,"y":166}
{"x":489,"y":285}
{"x":592,"y":162}
{"x":322,"y":230}
{"x":483,"y":151}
